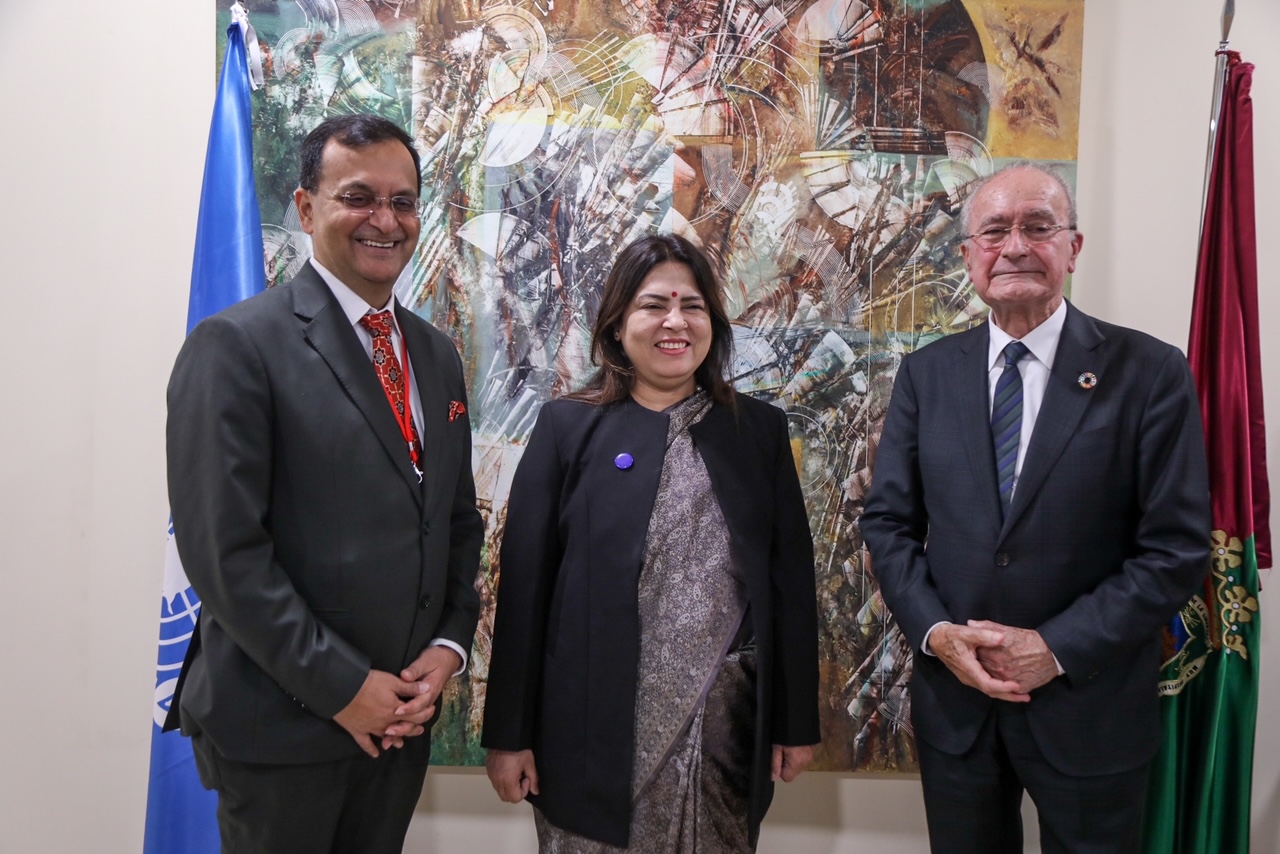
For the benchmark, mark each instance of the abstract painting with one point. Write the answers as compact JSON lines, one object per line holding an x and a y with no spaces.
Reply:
{"x":819,"y":152}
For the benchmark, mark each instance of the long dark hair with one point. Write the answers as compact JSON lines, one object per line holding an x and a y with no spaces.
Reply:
{"x":615,"y":376}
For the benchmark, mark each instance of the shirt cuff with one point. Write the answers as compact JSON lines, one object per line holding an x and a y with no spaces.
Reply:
{"x":453,"y":646}
{"x":924,"y":645}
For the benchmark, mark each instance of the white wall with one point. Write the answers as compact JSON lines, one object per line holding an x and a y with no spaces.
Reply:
{"x":105,"y":119}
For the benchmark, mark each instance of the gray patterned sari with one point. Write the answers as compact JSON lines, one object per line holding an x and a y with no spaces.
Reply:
{"x":695,"y":699}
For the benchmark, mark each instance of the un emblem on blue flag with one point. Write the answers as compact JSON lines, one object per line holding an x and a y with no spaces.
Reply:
{"x":179,"y":609}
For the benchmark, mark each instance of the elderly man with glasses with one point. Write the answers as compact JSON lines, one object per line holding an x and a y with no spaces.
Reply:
{"x":1039,"y":510}
{"x":323,"y":505}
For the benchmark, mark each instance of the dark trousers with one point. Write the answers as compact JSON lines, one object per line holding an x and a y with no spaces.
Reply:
{"x":351,"y":806}
{"x":973,"y":802}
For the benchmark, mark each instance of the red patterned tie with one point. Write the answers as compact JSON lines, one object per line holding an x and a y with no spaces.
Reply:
{"x":392,"y":376}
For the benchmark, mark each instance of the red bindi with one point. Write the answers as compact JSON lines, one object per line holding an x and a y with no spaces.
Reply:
{"x":675,"y":294}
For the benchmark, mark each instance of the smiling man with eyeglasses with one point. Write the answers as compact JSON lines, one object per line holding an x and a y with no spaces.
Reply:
{"x":360,"y":206}
{"x":1038,"y":511}
{"x":323,"y":505}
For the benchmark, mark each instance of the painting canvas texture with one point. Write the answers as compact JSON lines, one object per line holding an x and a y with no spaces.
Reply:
{"x":819,"y":152}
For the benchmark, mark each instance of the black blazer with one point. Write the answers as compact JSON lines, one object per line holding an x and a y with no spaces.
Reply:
{"x":1106,"y":538}
{"x":566,"y":644}
{"x":301,"y":524}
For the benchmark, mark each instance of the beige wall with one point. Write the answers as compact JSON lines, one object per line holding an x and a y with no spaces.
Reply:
{"x":105,"y":119}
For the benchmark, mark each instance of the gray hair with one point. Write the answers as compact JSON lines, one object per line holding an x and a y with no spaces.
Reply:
{"x":977,"y":187}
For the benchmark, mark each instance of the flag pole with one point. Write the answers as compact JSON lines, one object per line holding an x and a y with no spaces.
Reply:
{"x":1215,"y":108}
{"x":1202,"y":780}
{"x":227,"y":266}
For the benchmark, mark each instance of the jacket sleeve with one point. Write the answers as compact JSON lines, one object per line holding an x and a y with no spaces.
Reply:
{"x":1170,"y":553}
{"x":528,"y":565}
{"x":466,"y":537}
{"x":894,"y":521}
{"x":795,"y":608}
{"x":220,"y":450}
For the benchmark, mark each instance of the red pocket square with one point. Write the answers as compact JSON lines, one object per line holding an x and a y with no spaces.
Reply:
{"x":456,"y":408}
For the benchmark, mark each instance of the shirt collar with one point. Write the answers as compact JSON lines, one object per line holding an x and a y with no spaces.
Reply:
{"x":353,"y":305}
{"x":1041,"y":341}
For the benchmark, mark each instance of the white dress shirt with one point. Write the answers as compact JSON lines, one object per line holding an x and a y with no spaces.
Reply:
{"x":355,"y":307}
{"x":1034,"y":369}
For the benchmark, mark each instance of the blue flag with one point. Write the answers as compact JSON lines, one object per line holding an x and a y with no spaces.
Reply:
{"x":228,"y":266}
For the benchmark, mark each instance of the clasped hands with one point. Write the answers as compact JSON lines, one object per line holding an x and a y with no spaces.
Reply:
{"x":390,"y":708}
{"x":1003,"y":662}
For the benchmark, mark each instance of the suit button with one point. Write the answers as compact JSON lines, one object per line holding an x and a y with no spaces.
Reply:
{"x":425,"y":602}
{"x":426,"y":529}
{"x":1002,"y":559}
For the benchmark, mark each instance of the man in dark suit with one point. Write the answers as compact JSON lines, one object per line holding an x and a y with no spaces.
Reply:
{"x":319,"y":460}
{"x":1039,"y":509}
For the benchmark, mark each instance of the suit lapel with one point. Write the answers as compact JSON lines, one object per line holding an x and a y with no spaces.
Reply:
{"x":432,"y":396}
{"x":329,"y":332}
{"x":739,"y":483}
{"x":1064,"y":405}
{"x":974,"y":412}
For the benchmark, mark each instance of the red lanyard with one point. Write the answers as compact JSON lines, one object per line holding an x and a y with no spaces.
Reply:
{"x":406,"y":421}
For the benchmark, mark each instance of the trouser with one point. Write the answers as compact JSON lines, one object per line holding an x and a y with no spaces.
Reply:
{"x":973,"y":802}
{"x":359,"y":805}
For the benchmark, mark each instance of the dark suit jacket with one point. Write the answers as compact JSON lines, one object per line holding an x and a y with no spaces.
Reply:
{"x":1106,"y":537}
{"x":301,"y":524}
{"x":562,"y":678}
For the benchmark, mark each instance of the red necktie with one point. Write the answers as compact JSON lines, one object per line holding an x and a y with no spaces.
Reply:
{"x":392,"y":376}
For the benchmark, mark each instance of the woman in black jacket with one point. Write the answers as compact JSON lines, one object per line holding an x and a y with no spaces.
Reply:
{"x":654,"y":665}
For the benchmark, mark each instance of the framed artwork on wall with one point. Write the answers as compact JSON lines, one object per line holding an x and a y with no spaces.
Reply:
{"x":819,"y":151}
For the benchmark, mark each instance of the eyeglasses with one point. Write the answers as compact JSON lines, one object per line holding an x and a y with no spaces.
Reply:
{"x":367,"y":203}
{"x":994,"y":237}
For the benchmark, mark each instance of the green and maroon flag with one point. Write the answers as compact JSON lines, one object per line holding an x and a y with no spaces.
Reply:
{"x":1200,"y":787}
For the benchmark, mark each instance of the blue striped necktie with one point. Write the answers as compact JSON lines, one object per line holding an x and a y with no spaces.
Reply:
{"x":1006,"y":419}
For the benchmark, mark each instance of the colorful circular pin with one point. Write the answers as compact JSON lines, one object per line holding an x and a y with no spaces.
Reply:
{"x":1088,"y":380}
{"x":624,"y":461}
